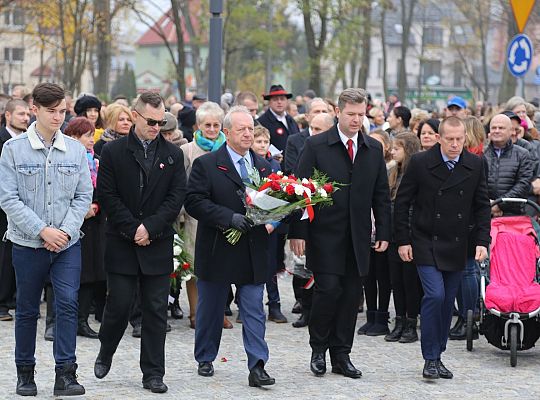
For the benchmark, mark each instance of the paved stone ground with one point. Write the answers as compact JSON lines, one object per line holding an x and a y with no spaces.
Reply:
{"x":391,"y":370}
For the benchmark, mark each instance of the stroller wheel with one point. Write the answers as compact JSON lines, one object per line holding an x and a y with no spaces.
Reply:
{"x":469,"y":332}
{"x":513,"y":344}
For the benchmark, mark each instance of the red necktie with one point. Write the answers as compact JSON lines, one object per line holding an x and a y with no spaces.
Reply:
{"x":350,"y":149}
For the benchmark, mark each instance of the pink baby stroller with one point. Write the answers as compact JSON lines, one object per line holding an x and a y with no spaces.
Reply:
{"x":510,"y":292}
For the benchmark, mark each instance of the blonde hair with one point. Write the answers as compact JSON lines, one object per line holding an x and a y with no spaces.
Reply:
{"x":112,"y":114}
{"x":261,"y":131}
{"x":474,"y":132}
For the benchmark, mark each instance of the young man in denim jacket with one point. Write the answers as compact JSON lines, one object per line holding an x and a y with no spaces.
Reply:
{"x":46,"y":191}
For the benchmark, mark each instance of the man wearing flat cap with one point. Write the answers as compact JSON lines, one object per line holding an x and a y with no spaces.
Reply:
{"x":275,"y":119}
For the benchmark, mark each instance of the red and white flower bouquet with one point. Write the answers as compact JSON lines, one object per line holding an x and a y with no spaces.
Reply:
{"x":275,"y":197}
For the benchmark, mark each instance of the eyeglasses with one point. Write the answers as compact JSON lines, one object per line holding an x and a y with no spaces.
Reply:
{"x":152,"y":122}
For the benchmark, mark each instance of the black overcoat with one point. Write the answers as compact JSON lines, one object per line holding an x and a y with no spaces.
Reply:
{"x":212,"y":198}
{"x":444,"y":203}
{"x":349,"y":218}
{"x":129,"y":197}
{"x":4,"y":137}
{"x":278,"y":132}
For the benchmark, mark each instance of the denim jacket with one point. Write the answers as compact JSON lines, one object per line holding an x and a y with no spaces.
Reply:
{"x":40,"y":187}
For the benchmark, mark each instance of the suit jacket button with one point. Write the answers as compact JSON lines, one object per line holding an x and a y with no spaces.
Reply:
{"x":438,"y":216}
{"x":461,"y":192}
{"x":457,"y":239}
{"x":435,"y":237}
{"x":439,"y":192}
{"x":140,"y":213}
{"x":459,"y":216}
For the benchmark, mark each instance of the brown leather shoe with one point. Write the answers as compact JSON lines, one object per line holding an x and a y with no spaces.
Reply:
{"x":226,"y":323}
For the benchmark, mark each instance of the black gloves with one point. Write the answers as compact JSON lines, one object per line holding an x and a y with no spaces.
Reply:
{"x":241,"y":223}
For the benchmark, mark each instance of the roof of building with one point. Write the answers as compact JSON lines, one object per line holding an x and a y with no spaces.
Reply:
{"x":164,"y":27}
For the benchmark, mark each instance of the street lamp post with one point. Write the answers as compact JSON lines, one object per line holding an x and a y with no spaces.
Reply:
{"x":214,"y":58}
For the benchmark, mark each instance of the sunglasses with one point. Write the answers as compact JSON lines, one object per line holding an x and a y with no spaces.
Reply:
{"x":152,"y":122}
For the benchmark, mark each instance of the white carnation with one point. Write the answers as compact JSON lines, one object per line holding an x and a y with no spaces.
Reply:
{"x":305,"y":181}
{"x":323,"y":193}
{"x":186,"y":277}
{"x":177,"y":250}
{"x":280,"y":173}
{"x":176,"y":263}
{"x":299,"y":190}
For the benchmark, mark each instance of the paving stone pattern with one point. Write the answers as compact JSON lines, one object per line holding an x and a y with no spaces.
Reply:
{"x":390,"y":370}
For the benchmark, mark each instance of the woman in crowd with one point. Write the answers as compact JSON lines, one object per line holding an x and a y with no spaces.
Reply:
{"x":377,"y":284}
{"x":376,"y":118}
{"x":403,"y":275}
{"x":399,"y":120}
{"x":428,"y":133}
{"x":90,"y":107}
{"x":418,"y":116}
{"x":207,"y":138}
{"x":118,"y":122}
{"x":92,"y":249}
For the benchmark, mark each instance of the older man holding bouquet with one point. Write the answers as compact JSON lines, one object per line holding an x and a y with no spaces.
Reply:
{"x":213,"y":199}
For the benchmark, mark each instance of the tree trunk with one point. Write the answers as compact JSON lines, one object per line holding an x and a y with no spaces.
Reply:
{"x":102,"y":16}
{"x":315,"y":50}
{"x":199,"y":69}
{"x":406,"y":20}
{"x":181,"y":64}
{"x":383,"y":45}
{"x":366,"y":47}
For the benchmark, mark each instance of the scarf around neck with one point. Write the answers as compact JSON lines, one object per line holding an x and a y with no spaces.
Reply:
{"x":207,"y":144}
{"x":93,"y":165}
{"x":109,"y":135}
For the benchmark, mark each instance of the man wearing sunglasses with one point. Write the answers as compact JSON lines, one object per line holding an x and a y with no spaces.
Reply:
{"x":141,"y":189}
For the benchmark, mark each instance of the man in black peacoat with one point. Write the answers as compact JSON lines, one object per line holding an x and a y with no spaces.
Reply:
{"x":141,"y":189}
{"x":447,"y":189}
{"x":337,"y":241}
{"x":213,"y":198}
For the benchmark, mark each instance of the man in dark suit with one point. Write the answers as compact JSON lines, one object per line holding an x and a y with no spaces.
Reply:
{"x":141,"y":189}
{"x":213,"y":199}
{"x":295,"y":143}
{"x":17,"y":115}
{"x":280,"y":124}
{"x":337,"y":241}
{"x":447,"y":188}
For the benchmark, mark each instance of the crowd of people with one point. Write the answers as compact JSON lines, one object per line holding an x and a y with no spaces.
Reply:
{"x":92,"y":195}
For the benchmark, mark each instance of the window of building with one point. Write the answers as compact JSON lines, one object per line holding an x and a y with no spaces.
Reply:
{"x":430,"y":70}
{"x":433,"y":35}
{"x":13,"y":55}
{"x":458,"y":74}
{"x":14,"y":18}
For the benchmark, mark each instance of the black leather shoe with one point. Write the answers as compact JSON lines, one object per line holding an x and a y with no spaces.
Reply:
{"x":302,"y":321}
{"x":458,"y":326}
{"x":136,"y":331}
{"x":102,"y":366}
{"x":49,"y":333}
{"x":155,"y":385}
{"x":205,"y":369}
{"x":176,"y":311}
{"x":297,"y":308}
{"x":5,"y":315}
{"x":430,"y":370}
{"x":461,"y":333}
{"x":259,"y":377}
{"x":318,"y":364}
{"x":84,"y":330}
{"x":444,"y":372}
{"x":346,"y":368}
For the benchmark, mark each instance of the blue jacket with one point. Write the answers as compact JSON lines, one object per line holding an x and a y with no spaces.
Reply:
{"x":40,"y":188}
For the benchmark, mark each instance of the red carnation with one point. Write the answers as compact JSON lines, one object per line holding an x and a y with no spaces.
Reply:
{"x":291,"y":176}
{"x":328,"y":188}
{"x":290,"y":190}
{"x":274,"y":185}
{"x":185,"y":266}
{"x":274,"y":177}
{"x":172,"y":275}
{"x":310,"y":186}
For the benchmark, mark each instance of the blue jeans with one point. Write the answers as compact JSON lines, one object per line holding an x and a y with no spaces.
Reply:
{"x":32,"y":266}
{"x":467,"y":296}
{"x":440,"y":288}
